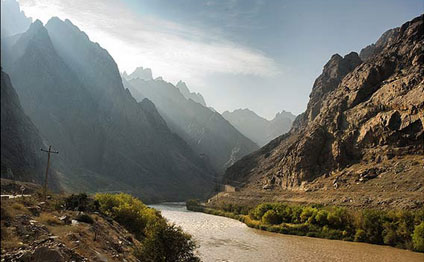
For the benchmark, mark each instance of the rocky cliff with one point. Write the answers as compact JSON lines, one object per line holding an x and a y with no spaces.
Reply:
{"x":364,"y":114}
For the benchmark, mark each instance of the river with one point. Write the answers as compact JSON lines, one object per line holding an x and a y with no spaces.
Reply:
{"x":225,"y":239}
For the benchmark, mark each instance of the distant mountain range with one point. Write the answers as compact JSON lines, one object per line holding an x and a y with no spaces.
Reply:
{"x":259,"y":129}
{"x":71,"y":89}
{"x":205,"y":130}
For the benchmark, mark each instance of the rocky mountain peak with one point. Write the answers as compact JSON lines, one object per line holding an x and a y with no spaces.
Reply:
{"x":334,"y":71}
{"x":142,"y":73}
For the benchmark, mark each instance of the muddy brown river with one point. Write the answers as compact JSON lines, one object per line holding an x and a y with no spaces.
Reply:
{"x":224,"y":239}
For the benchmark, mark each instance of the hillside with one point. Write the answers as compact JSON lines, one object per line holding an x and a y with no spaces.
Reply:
{"x":206,"y":131}
{"x":360,"y":140}
{"x":71,"y":89}
{"x":85,"y":228}
{"x":259,"y":129}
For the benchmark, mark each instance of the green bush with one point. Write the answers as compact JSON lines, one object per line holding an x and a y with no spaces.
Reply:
{"x":258,"y":212}
{"x":80,"y":202}
{"x":308,"y":214}
{"x":167,"y":243}
{"x":160,"y":241}
{"x":192,"y":204}
{"x":418,"y":237}
{"x":321,"y":217}
{"x":372,"y":221}
{"x":271,"y":218}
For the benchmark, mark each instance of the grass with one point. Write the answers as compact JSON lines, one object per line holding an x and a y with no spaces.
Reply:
{"x":49,"y":219}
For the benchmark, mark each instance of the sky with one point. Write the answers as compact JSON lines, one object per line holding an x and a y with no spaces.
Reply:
{"x":258,"y":54}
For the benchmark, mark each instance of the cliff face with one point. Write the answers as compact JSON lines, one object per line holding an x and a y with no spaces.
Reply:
{"x":359,"y":112}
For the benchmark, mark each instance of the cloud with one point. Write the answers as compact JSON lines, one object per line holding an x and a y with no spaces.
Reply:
{"x":172,"y":50}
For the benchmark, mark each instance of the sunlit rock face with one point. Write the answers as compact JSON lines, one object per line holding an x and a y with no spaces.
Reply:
{"x":72,"y":90}
{"x":359,"y":111}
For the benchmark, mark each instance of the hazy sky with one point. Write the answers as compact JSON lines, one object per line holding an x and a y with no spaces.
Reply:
{"x":263,"y":55}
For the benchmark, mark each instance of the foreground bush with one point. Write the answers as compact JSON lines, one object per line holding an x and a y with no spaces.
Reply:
{"x":159,"y":240}
{"x":167,"y":243}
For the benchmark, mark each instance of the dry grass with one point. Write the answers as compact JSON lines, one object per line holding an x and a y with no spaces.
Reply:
{"x":8,"y":239}
{"x":49,"y":219}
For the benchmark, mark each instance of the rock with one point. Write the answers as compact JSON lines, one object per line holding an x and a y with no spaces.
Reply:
{"x":359,"y":112}
{"x":45,"y":254}
{"x":65,"y":219}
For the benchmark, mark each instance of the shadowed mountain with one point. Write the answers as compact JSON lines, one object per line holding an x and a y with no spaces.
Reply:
{"x":72,"y":90}
{"x":206,"y":131}
{"x":259,"y":129}
{"x":21,"y":158}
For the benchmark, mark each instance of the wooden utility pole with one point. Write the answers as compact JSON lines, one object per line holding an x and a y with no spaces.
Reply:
{"x":47,"y":168}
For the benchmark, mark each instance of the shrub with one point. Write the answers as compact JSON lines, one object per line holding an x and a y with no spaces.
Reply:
{"x":258,"y":212}
{"x":271,"y":218}
{"x":338,"y":218}
{"x":128,"y":211}
{"x":308,"y":214}
{"x":360,"y":236}
{"x":372,"y":221}
{"x":321,"y":217}
{"x":418,"y":237}
{"x":80,"y":202}
{"x":192,"y":203}
{"x":166,"y":243}
{"x":160,"y":241}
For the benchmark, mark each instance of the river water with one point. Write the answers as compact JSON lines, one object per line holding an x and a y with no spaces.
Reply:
{"x":225,"y":239}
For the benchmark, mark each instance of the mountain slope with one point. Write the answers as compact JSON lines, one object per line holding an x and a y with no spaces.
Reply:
{"x":258,"y":129}
{"x":21,"y":158}
{"x":363,"y":120}
{"x":72,"y":90}
{"x":206,"y":131}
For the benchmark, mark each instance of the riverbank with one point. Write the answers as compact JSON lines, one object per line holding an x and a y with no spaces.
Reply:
{"x":397,"y":228}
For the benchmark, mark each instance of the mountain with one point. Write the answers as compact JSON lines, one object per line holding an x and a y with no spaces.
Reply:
{"x":13,"y":20}
{"x":364,"y":120}
{"x":196,"y":97}
{"x":21,"y":158}
{"x":139,"y":72}
{"x":259,"y":129}
{"x":72,"y":90}
{"x":206,"y":131}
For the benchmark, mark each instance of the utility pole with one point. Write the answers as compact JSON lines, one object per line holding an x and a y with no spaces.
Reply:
{"x":47,"y":168}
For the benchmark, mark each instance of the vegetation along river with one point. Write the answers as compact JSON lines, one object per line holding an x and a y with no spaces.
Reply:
{"x":225,"y":239}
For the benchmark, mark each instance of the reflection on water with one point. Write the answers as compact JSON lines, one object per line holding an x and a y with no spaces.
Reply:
{"x":224,"y":239}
